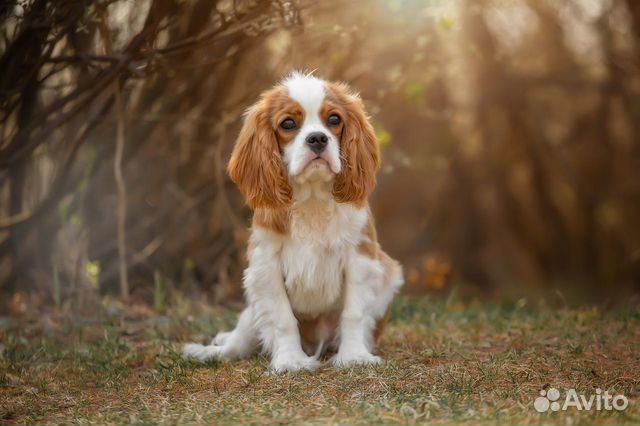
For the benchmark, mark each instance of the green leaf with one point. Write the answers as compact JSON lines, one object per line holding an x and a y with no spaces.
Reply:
{"x":384,"y":137}
{"x":93,"y":271}
{"x":446,"y":23}
{"x":414,"y":94}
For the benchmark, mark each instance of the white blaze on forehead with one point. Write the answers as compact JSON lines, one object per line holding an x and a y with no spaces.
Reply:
{"x":307,"y":90}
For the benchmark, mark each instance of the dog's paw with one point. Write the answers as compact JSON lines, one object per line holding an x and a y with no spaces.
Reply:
{"x":292,"y":362}
{"x":197,"y":352}
{"x":345,"y":360}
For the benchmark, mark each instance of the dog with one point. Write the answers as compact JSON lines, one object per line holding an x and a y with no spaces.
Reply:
{"x":317,"y":281}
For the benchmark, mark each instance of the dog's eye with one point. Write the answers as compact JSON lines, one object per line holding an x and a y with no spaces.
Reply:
{"x":288,"y":124}
{"x":334,"y":120}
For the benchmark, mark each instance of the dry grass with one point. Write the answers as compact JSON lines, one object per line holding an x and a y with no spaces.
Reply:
{"x":446,"y":363}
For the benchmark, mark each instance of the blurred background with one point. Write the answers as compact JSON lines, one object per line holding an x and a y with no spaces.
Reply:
{"x":510,"y":132}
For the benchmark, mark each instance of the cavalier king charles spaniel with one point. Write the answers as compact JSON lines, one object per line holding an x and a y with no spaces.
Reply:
{"x":317,"y":281}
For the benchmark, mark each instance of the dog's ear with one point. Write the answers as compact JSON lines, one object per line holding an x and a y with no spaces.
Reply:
{"x":256,"y":164}
{"x":359,"y":151}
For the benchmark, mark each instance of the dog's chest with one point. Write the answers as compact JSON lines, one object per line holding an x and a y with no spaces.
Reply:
{"x":315,"y":255}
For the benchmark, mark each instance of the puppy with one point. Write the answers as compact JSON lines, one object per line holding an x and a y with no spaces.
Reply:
{"x":306,"y":161}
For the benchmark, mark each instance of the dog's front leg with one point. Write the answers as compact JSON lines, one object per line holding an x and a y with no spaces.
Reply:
{"x":274,"y":319}
{"x":363,"y":283}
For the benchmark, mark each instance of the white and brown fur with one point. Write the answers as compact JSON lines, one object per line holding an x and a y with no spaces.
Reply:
{"x":317,"y":278}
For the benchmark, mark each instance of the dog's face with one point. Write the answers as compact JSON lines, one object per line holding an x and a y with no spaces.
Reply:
{"x":310,"y":129}
{"x":301,"y":130}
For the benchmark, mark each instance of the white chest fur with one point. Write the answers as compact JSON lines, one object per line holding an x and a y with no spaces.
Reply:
{"x":313,"y":258}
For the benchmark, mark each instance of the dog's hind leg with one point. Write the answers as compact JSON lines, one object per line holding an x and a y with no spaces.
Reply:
{"x":241,"y":342}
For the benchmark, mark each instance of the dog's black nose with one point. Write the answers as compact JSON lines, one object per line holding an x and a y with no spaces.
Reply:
{"x":317,"y":141}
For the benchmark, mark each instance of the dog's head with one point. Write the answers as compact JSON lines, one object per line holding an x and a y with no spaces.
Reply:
{"x":305,"y":129}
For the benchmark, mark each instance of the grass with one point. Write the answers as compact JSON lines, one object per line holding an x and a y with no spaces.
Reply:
{"x":446,"y":362}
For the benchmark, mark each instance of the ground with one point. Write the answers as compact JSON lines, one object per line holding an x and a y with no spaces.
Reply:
{"x":446,"y":362}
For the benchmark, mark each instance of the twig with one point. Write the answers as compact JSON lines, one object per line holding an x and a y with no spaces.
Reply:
{"x":121,"y":209}
{"x":122,"y":193}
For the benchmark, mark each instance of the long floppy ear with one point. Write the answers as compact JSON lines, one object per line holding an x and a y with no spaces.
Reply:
{"x":360,"y":154}
{"x":256,"y":164}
